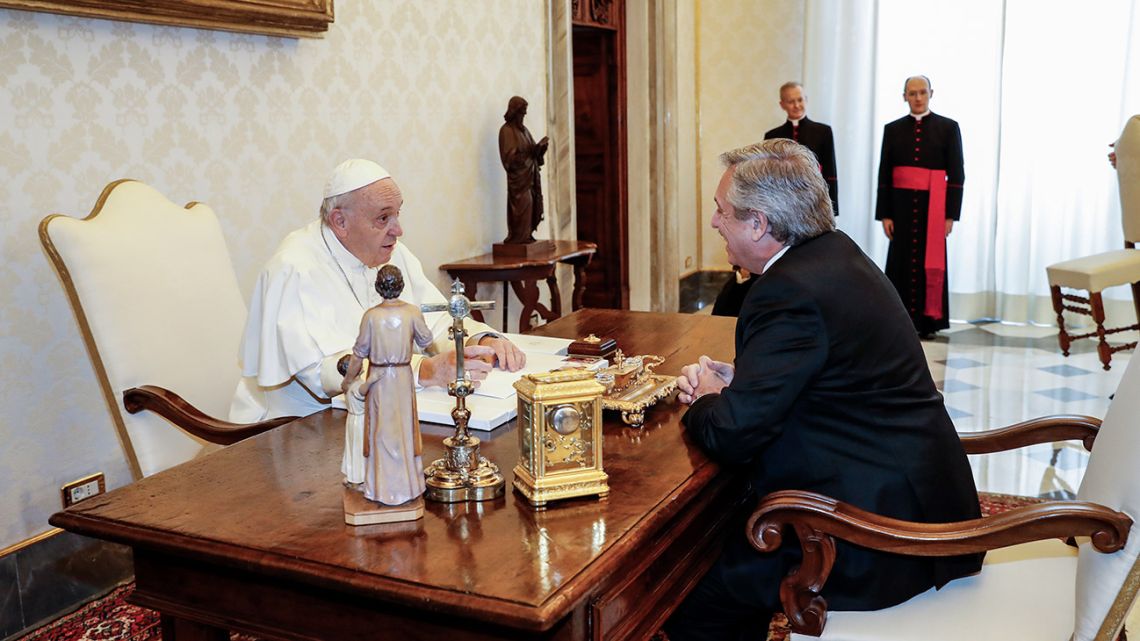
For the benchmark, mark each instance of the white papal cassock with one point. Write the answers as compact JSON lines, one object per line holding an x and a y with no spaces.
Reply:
{"x":304,"y":315}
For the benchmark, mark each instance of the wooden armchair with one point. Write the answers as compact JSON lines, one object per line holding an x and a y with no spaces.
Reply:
{"x":1026,"y":587}
{"x":159,"y":307}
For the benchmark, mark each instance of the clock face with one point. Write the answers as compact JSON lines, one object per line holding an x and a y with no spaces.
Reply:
{"x":565,"y":419}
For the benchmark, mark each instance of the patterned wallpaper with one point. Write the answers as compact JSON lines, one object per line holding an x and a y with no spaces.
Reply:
{"x":250,"y":125}
{"x":746,"y":50}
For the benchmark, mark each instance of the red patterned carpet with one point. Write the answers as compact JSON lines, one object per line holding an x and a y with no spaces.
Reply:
{"x":111,"y":618}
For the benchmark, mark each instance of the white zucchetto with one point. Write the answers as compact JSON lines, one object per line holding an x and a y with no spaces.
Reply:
{"x":353,"y":174}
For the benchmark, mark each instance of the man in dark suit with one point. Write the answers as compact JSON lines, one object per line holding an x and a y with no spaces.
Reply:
{"x":829,"y":392}
{"x":921,"y":173}
{"x":816,"y":136}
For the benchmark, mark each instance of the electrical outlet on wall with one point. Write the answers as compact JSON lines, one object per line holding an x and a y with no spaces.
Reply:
{"x":83,"y":488}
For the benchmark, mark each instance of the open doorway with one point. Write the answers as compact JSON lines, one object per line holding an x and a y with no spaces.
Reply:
{"x":598,"y":45}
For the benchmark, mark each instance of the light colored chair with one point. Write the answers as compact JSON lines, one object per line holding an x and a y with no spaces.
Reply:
{"x":1036,"y":588}
{"x":159,"y":307}
{"x":1096,"y":273}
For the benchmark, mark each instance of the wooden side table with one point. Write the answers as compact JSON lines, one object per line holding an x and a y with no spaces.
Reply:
{"x":523,"y":274}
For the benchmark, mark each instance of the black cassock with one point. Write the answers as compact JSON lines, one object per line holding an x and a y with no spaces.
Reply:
{"x":934,"y":142}
{"x":732,"y":295}
{"x":817,"y":137}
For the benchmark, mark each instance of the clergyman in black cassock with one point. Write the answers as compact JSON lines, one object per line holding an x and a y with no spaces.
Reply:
{"x":921,"y":173}
{"x":816,"y":136}
{"x":731,"y":296}
{"x":829,"y":392}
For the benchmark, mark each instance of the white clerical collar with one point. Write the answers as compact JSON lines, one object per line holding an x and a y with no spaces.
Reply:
{"x":920,"y":116}
{"x":796,"y":121}
{"x":772,"y":260}
{"x":339,"y":253}
{"x":358,"y":276}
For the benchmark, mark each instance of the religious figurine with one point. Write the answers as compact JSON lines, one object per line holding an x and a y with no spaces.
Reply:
{"x":522,"y":158}
{"x":391,"y":444}
{"x":352,"y":463}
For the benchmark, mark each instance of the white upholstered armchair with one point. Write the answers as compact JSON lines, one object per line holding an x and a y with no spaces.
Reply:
{"x":159,"y":308}
{"x":1032,"y":586}
{"x":1098,"y":272}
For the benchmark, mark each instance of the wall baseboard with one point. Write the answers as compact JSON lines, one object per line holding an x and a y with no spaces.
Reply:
{"x":699,"y":289}
{"x":52,"y":573}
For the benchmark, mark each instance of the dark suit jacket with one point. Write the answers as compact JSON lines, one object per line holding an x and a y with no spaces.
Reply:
{"x":817,"y":137}
{"x":832,"y":394}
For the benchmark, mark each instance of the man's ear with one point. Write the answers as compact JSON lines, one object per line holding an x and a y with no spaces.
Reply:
{"x":338,"y":223}
{"x":759,"y":225}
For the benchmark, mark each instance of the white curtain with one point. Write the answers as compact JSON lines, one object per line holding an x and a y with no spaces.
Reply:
{"x":1039,"y":87}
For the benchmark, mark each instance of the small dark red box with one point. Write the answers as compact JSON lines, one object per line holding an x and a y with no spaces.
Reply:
{"x":593,"y":346}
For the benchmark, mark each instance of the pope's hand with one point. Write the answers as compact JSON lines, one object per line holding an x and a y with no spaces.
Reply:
{"x":439,"y":370}
{"x":506,"y":353}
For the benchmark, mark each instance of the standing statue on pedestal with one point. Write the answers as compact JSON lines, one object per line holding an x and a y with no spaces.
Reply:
{"x":522,"y":158}
{"x":392,"y":446}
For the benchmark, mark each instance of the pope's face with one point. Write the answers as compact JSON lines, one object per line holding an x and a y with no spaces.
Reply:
{"x":369,"y":224}
{"x":918,"y":95}
{"x":793,"y":103}
{"x":737,"y":234}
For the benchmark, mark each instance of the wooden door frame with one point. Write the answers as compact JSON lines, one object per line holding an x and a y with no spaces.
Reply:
{"x":649,"y":146}
{"x":600,"y":18}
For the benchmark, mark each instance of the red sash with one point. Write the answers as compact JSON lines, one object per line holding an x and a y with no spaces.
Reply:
{"x":934,"y":181}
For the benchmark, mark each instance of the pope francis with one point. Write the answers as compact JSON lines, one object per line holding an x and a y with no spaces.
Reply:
{"x":305,"y":310}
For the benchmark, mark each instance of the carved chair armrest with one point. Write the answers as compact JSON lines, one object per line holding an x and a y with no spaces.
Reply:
{"x":177,"y":410}
{"x":818,"y":520}
{"x":1047,"y":429}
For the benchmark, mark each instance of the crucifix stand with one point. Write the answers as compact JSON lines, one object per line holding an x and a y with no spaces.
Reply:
{"x":462,"y":474}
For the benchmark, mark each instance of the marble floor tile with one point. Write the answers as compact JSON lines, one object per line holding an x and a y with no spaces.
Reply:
{"x":1065,"y":370}
{"x":954,"y":385}
{"x":994,"y":375}
{"x":1019,"y":331}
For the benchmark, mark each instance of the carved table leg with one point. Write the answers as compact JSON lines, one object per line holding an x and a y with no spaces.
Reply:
{"x":579,"y":264}
{"x":506,"y":302}
{"x":555,"y":296}
{"x":527,"y":291}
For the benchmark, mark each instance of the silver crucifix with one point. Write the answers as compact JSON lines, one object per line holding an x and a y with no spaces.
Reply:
{"x":461,"y":475}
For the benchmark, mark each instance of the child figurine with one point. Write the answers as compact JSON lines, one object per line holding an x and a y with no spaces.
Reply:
{"x":352,"y":464}
{"x":392,"y":447}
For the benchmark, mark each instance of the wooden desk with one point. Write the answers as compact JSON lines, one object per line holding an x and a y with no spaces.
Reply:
{"x":252,"y":537}
{"x":523,"y":273}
